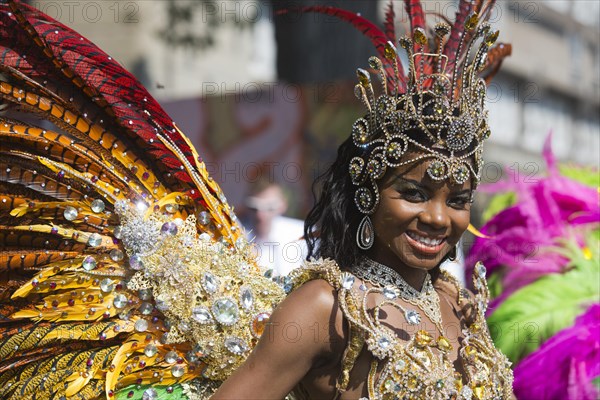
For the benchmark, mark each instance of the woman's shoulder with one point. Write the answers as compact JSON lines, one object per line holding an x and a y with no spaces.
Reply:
{"x":321,"y":270}
{"x":313,"y":287}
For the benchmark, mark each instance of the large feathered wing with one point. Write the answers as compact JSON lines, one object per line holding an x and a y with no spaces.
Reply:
{"x":122,"y":266}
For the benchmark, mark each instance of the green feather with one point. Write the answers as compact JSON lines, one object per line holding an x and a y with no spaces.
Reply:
{"x":596,"y":383}
{"x":536,"y":312}
{"x":138,"y":391}
{"x":589,"y":176}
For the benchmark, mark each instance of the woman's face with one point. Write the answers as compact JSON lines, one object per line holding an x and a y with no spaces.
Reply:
{"x":418,"y":220}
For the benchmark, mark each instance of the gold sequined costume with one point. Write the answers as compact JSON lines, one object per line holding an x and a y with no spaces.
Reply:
{"x":418,"y":368}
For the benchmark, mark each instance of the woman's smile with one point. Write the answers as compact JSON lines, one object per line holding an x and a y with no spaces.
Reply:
{"x":425,"y":244}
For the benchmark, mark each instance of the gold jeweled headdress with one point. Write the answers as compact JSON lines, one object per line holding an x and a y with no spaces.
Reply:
{"x":436,"y":111}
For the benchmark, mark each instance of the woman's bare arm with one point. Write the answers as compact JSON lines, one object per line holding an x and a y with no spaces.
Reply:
{"x":288,"y":348}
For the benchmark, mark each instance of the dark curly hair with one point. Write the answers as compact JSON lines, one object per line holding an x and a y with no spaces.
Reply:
{"x":330,"y":226}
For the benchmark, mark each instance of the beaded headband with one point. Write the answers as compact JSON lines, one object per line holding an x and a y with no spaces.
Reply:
{"x":436,"y":112}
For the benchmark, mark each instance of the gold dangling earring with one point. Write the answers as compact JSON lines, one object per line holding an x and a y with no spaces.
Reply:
{"x":365,"y":234}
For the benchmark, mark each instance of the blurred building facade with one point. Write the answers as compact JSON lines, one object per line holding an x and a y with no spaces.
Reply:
{"x":551,"y":82}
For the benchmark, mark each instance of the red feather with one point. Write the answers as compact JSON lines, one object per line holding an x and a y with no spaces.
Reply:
{"x":415,"y":14}
{"x":103,"y":80}
{"x":390,"y":28}
{"x":458,"y":29}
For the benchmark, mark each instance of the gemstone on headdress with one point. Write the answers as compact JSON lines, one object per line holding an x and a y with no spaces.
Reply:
{"x":171,"y":208}
{"x":423,"y":338}
{"x":466,"y":393}
{"x":356,"y":166}
{"x":376,"y":168}
{"x":472,"y":22}
{"x":400,"y":365}
{"x":384,"y":342}
{"x":135,"y":262}
{"x":491,"y":38}
{"x":441,"y":29}
{"x":444,"y":344}
{"x":364,"y":199}
{"x":141,"y":325}
{"x":460,"y":173}
{"x":107,"y":285}
{"x":150,"y":394}
{"x":481,"y":270}
{"x":169,"y":228}
{"x":363,"y":77}
{"x":480,"y":62}
{"x":116,"y":255}
{"x":461,"y":133}
{"x":394,"y":151}
{"x":150,"y":350}
{"x":405,"y":42}
{"x":162,"y":302}
{"x":171,"y":357}
{"x":203,"y":217}
{"x":419,"y":36}
{"x":145,"y":294}
{"x":360,"y":131}
{"x":120,"y":301}
{"x":146,"y":308}
{"x":390,"y":51}
{"x":437,"y":170}
{"x":375,"y":62}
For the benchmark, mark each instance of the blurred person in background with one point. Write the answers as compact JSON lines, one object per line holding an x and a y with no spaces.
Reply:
{"x":276,"y":237}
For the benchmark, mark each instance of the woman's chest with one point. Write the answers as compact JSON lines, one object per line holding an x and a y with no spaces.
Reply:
{"x":420,"y":354}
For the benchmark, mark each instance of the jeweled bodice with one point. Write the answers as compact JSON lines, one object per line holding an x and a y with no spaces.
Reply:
{"x":420,"y":367}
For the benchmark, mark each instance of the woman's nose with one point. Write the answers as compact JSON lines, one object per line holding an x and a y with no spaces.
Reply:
{"x":435,"y":215}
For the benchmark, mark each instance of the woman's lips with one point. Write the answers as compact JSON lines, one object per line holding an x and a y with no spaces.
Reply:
{"x":425,"y":244}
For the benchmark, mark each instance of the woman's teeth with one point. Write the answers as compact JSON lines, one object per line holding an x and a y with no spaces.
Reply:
{"x":425,"y":240}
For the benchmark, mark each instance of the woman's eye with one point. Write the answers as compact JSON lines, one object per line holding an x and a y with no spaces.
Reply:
{"x":460,"y":202}
{"x":413,"y":195}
